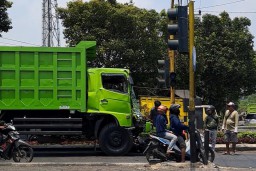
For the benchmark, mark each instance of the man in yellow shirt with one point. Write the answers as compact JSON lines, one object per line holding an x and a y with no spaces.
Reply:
{"x":229,"y":127}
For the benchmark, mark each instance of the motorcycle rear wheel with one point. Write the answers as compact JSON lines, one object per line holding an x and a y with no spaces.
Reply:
{"x":152,"y":157}
{"x":201,"y":155}
{"x":27,"y":154}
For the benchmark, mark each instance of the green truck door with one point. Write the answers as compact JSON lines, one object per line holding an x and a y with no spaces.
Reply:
{"x":114,"y":97}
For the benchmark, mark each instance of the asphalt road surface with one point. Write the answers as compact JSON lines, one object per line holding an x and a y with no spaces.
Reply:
{"x":97,"y":161}
{"x":242,"y":159}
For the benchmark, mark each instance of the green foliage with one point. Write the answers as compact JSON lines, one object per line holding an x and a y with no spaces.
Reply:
{"x":134,"y":38}
{"x":226,"y":60}
{"x":127,"y":36}
{"x":248,"y":134}
{"x":247,"y":100}
{"x":243,"y":137}
{"x":5,"y":22}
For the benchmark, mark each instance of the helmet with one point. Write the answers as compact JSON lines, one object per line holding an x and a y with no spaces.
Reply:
{"x":162,"y":109}
{"x":175,"y":109}
{"x":210,"y":108}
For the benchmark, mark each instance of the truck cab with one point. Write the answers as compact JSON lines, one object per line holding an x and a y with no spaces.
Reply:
{"x":109,"y":92}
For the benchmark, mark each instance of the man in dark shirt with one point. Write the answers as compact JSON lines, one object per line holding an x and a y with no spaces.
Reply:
{"x":153,"y":112}
{"x":177,"y":127}
{"x":211,"y":123}
{"x":161,"y":130}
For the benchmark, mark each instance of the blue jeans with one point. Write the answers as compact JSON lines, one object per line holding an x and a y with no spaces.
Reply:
{"x":213,"y":136}
{"x":168,"y":136}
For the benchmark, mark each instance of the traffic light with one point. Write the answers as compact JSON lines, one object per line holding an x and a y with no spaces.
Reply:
{"x":172,"y":79}
{"x":163,"y":73}
{"x":178,"y":28}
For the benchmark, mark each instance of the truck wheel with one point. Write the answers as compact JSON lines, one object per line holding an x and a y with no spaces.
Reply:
{"x":115,"y":140}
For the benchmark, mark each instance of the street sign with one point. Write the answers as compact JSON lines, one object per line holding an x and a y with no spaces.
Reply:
{"x":194,"y":58}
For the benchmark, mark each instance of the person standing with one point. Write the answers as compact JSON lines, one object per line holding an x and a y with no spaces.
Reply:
{"x":230,"y":127}
{"x":153,"y":112}
{"x":161,"y":130}
{"x":211,"y":123}
{"x":177,"y":127}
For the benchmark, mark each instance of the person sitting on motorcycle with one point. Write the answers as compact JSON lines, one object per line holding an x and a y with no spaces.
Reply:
{"x":177,"y":127}
{"x":161,"y":130}
{"x":153,"y":112}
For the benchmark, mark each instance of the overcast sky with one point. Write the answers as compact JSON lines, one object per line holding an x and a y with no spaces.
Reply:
{"x":26,"y":16}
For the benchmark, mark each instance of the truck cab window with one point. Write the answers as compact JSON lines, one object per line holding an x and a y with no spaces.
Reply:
{"x":115,"y":82}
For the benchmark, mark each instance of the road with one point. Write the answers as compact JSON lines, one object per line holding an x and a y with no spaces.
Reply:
{"x":243,"y":159}
{"x":98,"y":161}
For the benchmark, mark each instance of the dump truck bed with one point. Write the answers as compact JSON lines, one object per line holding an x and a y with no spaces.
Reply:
{"x":44,"y":78}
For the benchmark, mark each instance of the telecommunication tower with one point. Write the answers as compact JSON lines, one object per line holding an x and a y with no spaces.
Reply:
{"x":50,"y":24}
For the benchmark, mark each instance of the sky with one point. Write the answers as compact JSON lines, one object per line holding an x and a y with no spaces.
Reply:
{"x":26,"y":16}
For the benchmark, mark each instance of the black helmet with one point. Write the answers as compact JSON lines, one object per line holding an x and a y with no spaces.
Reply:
{"x":210,"y":108}
{"x":175,"y":109}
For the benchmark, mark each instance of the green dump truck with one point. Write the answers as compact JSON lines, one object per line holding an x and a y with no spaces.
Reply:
{"x":50,"y":93}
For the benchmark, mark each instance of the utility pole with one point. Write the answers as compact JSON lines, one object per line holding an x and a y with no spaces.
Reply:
{"x":179,"y":31}
{"x":191,"y":84}
{"x":50,"y":24}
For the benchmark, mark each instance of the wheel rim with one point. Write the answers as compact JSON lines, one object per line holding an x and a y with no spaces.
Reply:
{"x":26,"y":154}
{"x":149,"y":156}
{"x":152,"y":158}
{"x":116,"y":139}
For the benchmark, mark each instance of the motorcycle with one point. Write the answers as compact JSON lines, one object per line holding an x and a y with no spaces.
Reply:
{"x":12,"y":147}
{"x":156,"y":150}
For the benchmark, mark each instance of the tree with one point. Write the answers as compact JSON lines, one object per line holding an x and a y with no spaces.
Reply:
{"x":126,"y":36}
{"x":5,"y":22}
{"x":226,"y":68}
{"x":129,"y":37}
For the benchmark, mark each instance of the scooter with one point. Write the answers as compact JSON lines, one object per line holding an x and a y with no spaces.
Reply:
{"x":12,"y":147}
{"x":156,"y":150}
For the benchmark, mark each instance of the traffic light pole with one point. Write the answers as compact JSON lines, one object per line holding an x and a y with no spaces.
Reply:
{"x":191,"y":84}
{"x":172,"y":88}
{"x":172,"y":65}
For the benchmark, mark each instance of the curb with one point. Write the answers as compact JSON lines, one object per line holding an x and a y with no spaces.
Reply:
{"x":239,"y":147}
{"x":72,"y":164}
{"x":173,"y":164}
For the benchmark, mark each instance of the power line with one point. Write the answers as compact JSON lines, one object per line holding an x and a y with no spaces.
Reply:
{"x":19,"y":41}
{"x":222,"y":4}
{"x":7,"y":44}
{"x":243,"y":12}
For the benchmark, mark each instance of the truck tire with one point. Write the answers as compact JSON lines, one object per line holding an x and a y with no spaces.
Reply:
{"x":115,"y":140}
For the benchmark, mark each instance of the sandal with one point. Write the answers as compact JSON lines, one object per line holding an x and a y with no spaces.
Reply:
{"x":233,"y":153}
{"x":226,"y":153}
